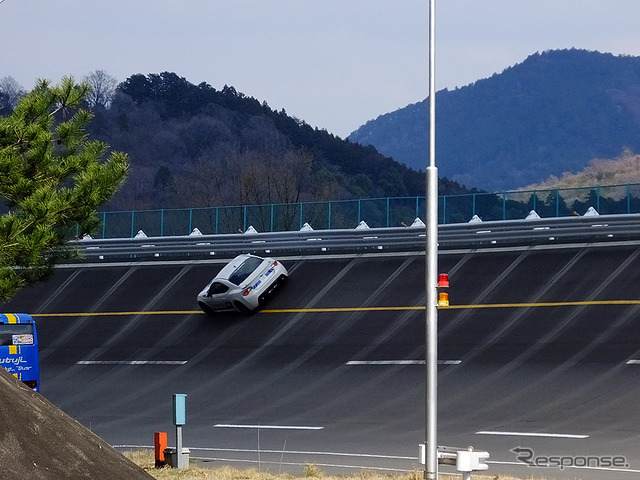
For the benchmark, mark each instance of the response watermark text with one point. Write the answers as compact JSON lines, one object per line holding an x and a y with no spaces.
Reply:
{"x":528,"y":456}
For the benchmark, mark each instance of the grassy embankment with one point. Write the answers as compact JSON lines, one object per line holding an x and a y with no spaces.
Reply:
{"x":145,"y":459}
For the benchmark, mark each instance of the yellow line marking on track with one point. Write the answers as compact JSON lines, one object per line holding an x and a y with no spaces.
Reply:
{"x":356,"y":309}
{"x":342,"y":309}
{"x":545,"y":304}
{"x":459,"y":307}
{"x":113,"y":314}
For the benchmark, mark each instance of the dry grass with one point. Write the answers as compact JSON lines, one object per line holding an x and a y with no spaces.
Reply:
{"x":145,"y":459}
{"x":619,"y":171}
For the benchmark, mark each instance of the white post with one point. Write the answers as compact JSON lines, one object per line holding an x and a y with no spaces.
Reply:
{"x":179,"y":456}
{"x":431,"y":273}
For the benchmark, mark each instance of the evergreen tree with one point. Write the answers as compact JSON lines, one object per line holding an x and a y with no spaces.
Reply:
{"x":52,"y":180}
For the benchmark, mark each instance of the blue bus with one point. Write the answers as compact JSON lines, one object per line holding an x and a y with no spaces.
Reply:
{"x":19,"y":348}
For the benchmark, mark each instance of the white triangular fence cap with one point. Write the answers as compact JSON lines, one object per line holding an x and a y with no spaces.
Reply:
{"x":532,"y":215}
{"x":86,"y":236}
{"x":140,"y":234}
{"x":195,"y":231}
{"x":251,"y":230}
{"x":362,"y":225}
{"x":418,"y":223}
{"x":475,"y":219}
{"x":592,"y":212}
{"x":306,"y":228}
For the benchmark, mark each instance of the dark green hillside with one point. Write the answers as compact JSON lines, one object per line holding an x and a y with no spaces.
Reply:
{"x":193,"y":145}
{"x":550,"y":114}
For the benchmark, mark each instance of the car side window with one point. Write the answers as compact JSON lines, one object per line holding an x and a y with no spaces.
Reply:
{"x":217,"y":287}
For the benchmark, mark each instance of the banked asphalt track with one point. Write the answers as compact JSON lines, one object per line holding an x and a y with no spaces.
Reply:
{"x":537,"y":340}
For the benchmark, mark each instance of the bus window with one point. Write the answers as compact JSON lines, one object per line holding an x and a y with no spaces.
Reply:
{"x":19,"y":348}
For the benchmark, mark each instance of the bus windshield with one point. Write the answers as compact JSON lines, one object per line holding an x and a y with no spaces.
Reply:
{"x":19,"y":348}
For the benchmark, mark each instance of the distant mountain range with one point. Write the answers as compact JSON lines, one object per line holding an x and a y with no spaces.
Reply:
{"x":551,"y":114}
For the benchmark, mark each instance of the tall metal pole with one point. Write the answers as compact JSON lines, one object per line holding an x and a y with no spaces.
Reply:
{"x":431,"y":272}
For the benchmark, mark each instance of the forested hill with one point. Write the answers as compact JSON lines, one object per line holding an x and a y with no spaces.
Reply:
{"x":550,"y":114}
{"x":192,"y":145}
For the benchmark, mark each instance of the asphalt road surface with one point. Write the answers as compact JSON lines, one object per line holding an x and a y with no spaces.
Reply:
{"x":537,"y":352}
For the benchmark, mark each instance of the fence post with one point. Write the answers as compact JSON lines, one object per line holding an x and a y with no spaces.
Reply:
{"x":244,"y":228}
{"x":162,"y":222}
{"x":387,"y":212}
{"x":104,"y":224}
{"x":444,"y":209}
{"x":272,"y":217}
{"x":190,"y":221}
{"x":329,"y":226}
{"x":504,"y":205}
{"x":132,"y":220}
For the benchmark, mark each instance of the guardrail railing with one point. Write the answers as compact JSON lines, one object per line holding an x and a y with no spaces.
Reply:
{"x":376,"y":212}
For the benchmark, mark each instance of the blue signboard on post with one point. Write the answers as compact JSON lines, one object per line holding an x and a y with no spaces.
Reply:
{"x":179,"y":409}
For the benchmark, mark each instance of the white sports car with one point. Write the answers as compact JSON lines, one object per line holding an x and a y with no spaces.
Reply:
{"x":243,"y":284}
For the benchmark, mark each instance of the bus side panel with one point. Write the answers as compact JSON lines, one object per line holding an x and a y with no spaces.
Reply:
{"x":21,"y":357}
{"x":22,"y":362}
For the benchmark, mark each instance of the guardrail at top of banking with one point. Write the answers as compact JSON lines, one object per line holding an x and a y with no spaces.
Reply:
{"x":478,"y":235}
{"x":376,"y":212}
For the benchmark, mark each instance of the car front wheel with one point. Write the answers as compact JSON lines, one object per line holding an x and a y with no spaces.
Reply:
{"x":206,"y":309}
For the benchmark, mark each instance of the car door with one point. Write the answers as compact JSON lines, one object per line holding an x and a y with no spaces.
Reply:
{"x":219,"y":298}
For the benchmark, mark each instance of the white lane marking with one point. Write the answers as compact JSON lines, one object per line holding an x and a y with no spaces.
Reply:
{"x":633,"y":362}
{"x":401,"y":362}
{"x":532,"y":434}
{"x":131,"y":362}
{"x":280,"y":462}
{"x":320,"y":465}
{"x":263,"y":427}
{"x":288,"y":452}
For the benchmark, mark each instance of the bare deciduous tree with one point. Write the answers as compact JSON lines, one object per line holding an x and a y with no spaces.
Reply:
{"x":103,"y":88}
{"x":243,"y":176}
{"x":10,"y":93}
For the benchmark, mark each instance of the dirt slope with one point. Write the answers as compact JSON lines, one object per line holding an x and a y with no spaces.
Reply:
{"x":40,"y":441}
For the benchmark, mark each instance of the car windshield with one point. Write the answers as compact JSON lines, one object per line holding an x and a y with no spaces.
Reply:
{"x":244,"y":270}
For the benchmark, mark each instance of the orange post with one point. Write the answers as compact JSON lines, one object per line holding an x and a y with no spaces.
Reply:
{"x":160,"y":443}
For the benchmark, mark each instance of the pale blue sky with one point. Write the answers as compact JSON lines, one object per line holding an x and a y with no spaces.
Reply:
{"x":333,"y":63}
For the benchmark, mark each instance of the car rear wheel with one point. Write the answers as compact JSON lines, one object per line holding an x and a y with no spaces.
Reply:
{"x":282,"y":279}
{"x":242,"y":308}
